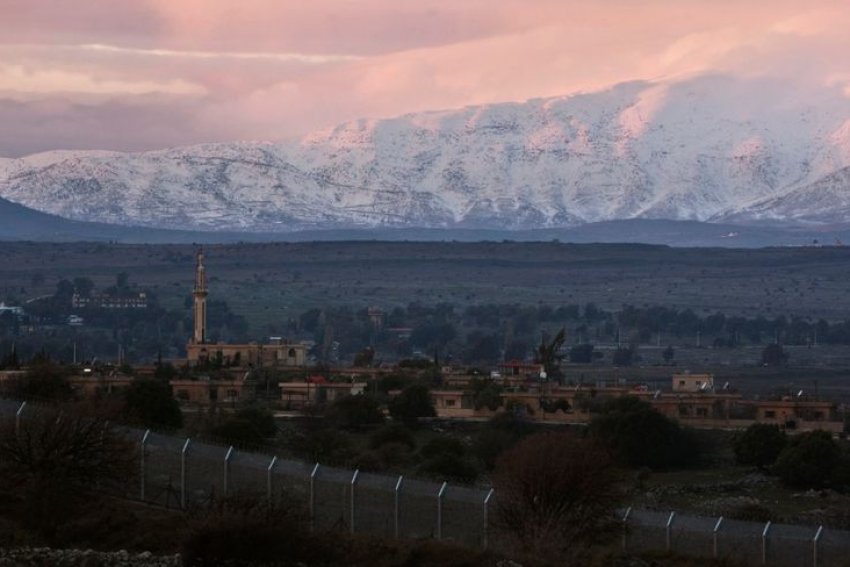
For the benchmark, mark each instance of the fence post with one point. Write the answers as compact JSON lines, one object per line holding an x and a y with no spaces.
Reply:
{"x":18,"y":415}
{"x":626,"y":528}
{"x":142,"y":444}
{"x":764,"y":535}
{"x":183,"y":454}
{"x":487,"y":517}
{"x":226,"y":471}
{"x":353,"y":483}
{"x":815,"y":542}
{"x":269,"y":488}
{"x":313,"y":497}
{"x":714,"y":535}
{"x":669,"y":531}
{"x":396,"y":508}
{"x":440,"y":510}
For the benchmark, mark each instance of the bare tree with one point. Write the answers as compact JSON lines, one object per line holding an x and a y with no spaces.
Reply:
{"x":556,"y":495}
{"x":54,"y":456}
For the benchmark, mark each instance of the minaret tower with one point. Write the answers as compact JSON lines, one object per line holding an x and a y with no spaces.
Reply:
{"x":199,"y":337}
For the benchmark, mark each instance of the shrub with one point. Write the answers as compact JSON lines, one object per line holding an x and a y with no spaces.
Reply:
{"x":557,"y":494}
{"x":243,"y":531}
{"x":449,"y":466}
{"x":811,"y":460}
{"x":639,"y":436}
{"x":411,"y":404}
{"x":355,"y":412}
{"x":55,"y":457}
{"x":393,"y":433}
{"x":759,"y":445}
{"x":150,"y":403}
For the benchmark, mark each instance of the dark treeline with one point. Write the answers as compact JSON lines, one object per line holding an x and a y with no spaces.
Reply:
{"x":475,"y":334}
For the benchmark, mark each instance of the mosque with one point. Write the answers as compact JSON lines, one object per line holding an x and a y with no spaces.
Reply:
{"x":277,"y":352}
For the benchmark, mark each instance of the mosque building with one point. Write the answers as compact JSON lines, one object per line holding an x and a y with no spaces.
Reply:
{"x":278,"y":352}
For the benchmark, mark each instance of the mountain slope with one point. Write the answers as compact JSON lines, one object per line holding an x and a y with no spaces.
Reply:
{"x":706,"y":148}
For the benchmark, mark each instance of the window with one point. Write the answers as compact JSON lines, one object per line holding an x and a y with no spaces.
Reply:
{"x":769,"y":414}
{"x":183,"y":395}
{"x":232,"y":394}
{"x":213,"y":394}
{"x":702,"y":412}
{"x":450,"y":403}
{"x":681,"y":382}
{"x":291,"y":353}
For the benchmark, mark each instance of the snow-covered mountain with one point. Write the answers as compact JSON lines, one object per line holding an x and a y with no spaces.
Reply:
{"x":709,"y":148}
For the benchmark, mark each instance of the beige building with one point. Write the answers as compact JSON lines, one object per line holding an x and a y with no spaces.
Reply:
{"x":278,"y":352}
{"x":206,"y":392}
{"x":693,"y":382}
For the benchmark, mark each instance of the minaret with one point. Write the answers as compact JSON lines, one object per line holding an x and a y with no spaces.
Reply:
{"x":200,"y":294}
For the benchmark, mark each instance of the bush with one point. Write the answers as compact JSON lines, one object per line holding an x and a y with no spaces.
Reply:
{"x":244,"y":531}
{"x":150,"y":403}
{"x":502,"y":432}
{"x":56,"y":457}
{"x":443,"y":446}
{"x":44,"y":381}
{"x":411,"y":404}
{"x":393,"y":433}
{"x":355,"y":412}
{"x":449,"y":466}
{"x":557,"y":494}
{"x":639,"y":436}
{"x":759,"y":445}
{"x":811,"y":460}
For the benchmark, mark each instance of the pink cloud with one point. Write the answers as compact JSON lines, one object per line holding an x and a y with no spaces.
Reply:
{"x":274,"y":69}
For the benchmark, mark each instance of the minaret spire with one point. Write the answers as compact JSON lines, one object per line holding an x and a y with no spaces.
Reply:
{"x":200,"y":295}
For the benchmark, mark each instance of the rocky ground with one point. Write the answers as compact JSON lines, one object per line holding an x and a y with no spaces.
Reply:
{"x":32,"y":556}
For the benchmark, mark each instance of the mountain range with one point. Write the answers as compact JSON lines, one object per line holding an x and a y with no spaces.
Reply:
{"x":753,"y":152}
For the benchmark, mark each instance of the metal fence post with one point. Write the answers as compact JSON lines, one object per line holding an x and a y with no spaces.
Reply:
{"x":764,"y":535}
{"x":668,"y":531}
{"x":487,"y":498}
{"x":18,"y":415}
{"x":714,"y":536}
{"x":396,"y":508}
{"x":815,"y":542}
{"x":313,"y":497}
{"x":142,"y":473}
{"x":226,"y":471}
{"x":269,"y":487}
{"x":353,"y":483}
{"x":440,"y":510}
{"x":626,"y":529}
{"x":183,"y":454}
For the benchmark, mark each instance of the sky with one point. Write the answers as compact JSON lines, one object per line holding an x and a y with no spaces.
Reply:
{"x":147,"y":74}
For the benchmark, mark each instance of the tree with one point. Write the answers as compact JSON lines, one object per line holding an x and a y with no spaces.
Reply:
{"x":774,"y":355}
{"x":557,"y":494}
{"x":548,"y":354}
{"x":44,"y":381}
{"x":55,"y":457}
{"x":639,"y":436}
{"x":355,"y":412}
{"x":581,"y":354}
{"x":812,"y":460}
{"x":759,"y":445}
{"x":249,"y":427}
{"x":412,"y":403}
{"x":486,"y":394}
{"x":150,"y":403}
{"x":668,"y":354}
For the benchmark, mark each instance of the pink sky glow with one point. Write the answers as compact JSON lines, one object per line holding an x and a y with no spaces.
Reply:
{"x":147,"y":74}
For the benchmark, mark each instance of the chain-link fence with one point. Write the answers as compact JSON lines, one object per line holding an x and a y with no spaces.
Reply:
{"x":180,"y":473}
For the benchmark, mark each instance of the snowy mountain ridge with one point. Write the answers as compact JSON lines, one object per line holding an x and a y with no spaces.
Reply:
{"x":709,"y":148}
